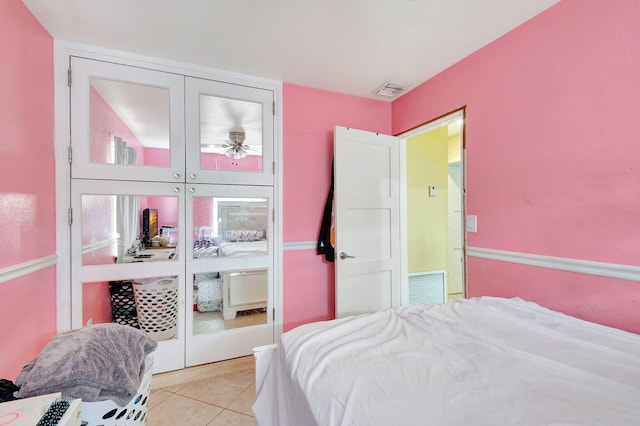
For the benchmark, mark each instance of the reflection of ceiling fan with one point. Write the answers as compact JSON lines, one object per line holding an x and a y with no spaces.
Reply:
{"x":234,"y":147}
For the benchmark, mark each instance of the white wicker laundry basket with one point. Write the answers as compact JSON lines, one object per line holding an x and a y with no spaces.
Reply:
{"x":157,"y":306}
{"x":108,"y":413}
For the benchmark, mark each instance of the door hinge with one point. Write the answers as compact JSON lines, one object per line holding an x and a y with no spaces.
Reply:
{"x":273,"y":215}
{"x":274,"y":107}
{"x":274,"y":168}
{"x":273,"y":315}
{"x":69,"y":154}
{"x":69,"y":77}
{"x":70,"y":216}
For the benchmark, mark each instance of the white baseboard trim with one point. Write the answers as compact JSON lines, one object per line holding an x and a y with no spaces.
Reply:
{"x":25,"y":268}
{"x":300,"y":245}
{"x":611,"y":270}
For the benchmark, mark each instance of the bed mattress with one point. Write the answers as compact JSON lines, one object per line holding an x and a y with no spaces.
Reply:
{"x":483,"y":361}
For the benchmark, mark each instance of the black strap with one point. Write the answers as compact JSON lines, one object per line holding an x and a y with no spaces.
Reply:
{"x":324,"y":238}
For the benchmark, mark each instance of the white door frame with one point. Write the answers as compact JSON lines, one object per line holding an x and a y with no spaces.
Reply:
{"x":63,"y":51}
{"x":404,"y":252}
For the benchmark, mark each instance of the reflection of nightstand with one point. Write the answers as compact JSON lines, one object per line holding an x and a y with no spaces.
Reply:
{"x":152,"y":254}
{"x":28,"y":411}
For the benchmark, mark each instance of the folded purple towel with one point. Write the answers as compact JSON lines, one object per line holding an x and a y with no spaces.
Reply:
{"x":94,"y":363}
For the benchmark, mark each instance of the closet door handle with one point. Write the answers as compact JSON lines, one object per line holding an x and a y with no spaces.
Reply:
{"x":176,"y":175}
{"x":176,"y":189}
{"x":192,"y":190}
{"x":344,"y":256}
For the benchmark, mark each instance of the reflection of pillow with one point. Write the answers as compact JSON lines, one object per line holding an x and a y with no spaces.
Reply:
{"x":210,"y":295}
{"x":205,"y":277}
{"x":244,"y":235}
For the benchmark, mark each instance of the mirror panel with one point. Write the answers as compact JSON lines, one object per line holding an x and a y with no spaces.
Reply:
{"x":230,"y":227}
{"x":129,"y":123}
{"x":230,"y":134}
{"x":226,"y":300}
{"x":128,"y":228}
{"x":150,"y":304}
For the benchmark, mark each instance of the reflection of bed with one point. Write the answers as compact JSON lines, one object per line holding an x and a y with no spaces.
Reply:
{"x":484,"y":361}
{"x":243,"y":248}
{"x":243,"y":291}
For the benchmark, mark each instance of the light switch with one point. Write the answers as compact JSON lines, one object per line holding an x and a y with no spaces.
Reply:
{"x":472,"y":223}
{"x":432,"y":190}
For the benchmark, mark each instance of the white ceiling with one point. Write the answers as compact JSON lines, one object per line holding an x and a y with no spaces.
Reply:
{"x":347,"y":46}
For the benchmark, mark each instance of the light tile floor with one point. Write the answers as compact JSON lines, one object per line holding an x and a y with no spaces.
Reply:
{"x":214,"y":394}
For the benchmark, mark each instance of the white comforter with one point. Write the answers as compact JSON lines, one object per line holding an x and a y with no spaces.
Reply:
{"x":243,"y":248}
{"x":485,"y":361}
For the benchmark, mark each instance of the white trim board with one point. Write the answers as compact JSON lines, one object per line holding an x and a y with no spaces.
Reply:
{"x":300,"y":245}
{"x":610,"y":270}
{"x":21,"y":269}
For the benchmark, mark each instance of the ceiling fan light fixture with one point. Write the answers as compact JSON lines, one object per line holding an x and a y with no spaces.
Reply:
{"x":237,"y":137}
{"x":236,"y":152}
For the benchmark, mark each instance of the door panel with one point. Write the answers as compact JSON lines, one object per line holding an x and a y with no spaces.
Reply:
{"x":230,"y":271}
{"x":455,"y":261}
{"x":127,"y":123}
{"x":229,"y":133}
{"x":367,"y":221}
{"x":102,"y":263}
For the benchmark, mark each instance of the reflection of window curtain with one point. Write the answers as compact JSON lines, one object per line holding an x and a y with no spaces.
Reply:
{"x":127,"y":206}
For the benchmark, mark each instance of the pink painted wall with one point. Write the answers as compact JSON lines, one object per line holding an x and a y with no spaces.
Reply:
{"x":104,"y":120}
{"x":552,"y":164}
{"x":27,"y":191}
{"x":309,"y":119}
{"x":211,"y":161}
{"x":160,"y":157}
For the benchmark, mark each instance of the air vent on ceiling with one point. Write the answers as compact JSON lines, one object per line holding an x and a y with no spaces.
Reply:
{"x":390,"y":90}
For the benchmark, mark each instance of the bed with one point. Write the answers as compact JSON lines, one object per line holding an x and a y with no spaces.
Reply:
{"x":481,"y":361}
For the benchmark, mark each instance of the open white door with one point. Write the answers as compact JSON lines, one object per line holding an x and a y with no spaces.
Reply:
{"x":367,"y":221}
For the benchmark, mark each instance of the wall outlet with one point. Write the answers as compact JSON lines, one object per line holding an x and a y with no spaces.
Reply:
{"x":432,"y":190}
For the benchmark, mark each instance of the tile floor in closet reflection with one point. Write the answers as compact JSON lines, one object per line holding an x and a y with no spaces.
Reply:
{"x":215,"y":394}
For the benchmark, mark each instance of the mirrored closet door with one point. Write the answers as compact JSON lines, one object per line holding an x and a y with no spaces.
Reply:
{"x":116,"y":276}
{"x":229,"y":133}
{"x":126,"y":122}
{"x":231,"y":270}
{"x":172,"y":235}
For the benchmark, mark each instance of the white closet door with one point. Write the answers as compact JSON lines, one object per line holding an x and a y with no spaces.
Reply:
{"x":127,"y":123}
{"x":230,"y":133}
{"x":148,"y":286}
{"x":230,"y":269}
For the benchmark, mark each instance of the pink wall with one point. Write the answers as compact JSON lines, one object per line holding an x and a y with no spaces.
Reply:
{"x":211,"y":161}
{"x":27,"y":191}
{"x":104,"y":120}
{"x":552,"y":164}
{"x":309,"y":118}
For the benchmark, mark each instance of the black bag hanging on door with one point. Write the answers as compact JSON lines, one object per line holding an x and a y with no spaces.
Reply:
{"x":324,"y":239}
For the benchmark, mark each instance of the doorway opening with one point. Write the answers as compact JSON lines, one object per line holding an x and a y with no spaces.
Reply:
{"x":433,"y":199}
